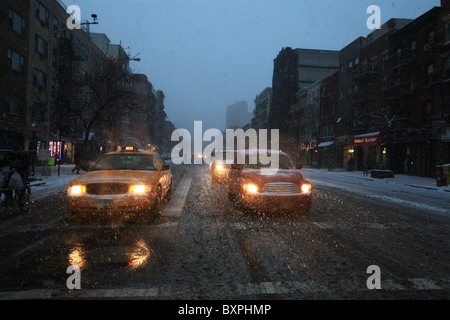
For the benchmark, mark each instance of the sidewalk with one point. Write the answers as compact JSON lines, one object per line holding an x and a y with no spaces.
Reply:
{"x":403,"y":179}
{"x":43,"y":186}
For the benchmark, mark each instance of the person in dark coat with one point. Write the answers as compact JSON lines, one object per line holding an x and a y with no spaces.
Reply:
{"x":351,"y":164}
{"x":78,"y":159}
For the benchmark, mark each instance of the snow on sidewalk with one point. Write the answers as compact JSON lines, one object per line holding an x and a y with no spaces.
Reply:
{"x":400,"y":179}
{"x":44,"y":186}
{"x":418,"y":192}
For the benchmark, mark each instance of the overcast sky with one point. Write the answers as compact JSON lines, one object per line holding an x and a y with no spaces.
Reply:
{"x":207,"y":54}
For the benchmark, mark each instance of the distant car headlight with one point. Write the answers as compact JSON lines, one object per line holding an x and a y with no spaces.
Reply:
{"x":252,"y":188}
{"x":139,"y":188}
{"x":76,"y":190}
{"x":306,"y":187}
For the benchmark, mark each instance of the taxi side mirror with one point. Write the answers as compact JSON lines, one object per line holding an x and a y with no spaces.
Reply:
{"x":165,"y":167}
{"x":298,"y":166}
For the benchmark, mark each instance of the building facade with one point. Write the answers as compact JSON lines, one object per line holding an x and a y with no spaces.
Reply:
{"x":237,"y":115}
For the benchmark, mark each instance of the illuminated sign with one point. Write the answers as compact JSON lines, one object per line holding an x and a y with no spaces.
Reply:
{"x":369,"y":139}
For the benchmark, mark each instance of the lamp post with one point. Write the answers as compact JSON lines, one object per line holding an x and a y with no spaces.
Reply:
{"x":45,"y":168}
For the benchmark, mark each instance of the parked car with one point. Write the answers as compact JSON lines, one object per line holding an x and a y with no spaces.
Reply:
{"x":122,"y":181}
{"x":284,"y":189}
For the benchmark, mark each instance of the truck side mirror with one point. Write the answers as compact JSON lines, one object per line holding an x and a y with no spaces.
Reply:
{"x":298,"y":166}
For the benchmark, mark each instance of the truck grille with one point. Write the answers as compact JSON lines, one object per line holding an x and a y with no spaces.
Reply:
{"x":280,"y":188}
{"x":106,"y":188}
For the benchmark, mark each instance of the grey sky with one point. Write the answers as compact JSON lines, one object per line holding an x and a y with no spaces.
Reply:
{"x":207,"y":54}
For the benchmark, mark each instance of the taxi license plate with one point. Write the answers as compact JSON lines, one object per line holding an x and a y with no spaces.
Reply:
{"x":105,"y":203}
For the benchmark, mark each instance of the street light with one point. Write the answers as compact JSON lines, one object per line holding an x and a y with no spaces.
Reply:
{"x":45,"y":169}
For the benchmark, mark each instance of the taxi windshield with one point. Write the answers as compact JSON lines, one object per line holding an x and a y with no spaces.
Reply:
{"x":283,"y":163}
{"x":125,"y":162}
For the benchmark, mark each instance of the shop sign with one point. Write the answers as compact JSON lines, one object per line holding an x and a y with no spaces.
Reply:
{"x":368,"y":139}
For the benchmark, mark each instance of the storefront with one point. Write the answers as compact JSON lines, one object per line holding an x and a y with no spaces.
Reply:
{"x":368,"y":151}
{"x":345,"y":150}
{"x":327,"y":154}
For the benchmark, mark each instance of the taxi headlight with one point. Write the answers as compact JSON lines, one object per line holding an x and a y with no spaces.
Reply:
{"x":76,"y":190}
{"x":306,"y":187}
{"x":252,"y":188}
{"x":219,"y":167}
{"x":139,"y":188}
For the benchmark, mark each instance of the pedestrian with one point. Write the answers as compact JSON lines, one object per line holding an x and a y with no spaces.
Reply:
{"x":365,"y":166}
{"x":78,"y":159}
{"x":351,"y":164}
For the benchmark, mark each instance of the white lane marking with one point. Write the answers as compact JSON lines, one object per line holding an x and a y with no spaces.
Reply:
{"x":176,"y":203}
{"x":250,"y":288}
{"x":424,"y":284}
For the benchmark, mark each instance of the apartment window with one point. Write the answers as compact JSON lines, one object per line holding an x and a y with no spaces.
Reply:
{"x":431,"y":36}
{"x":429,"y":74}
{"x":41,"y":13}
{"x":384,"y":59}
{"x":39,"y":79}
{"x":17,"y":22}
{"x":14,"y":105}
{"x":55,"y":26}
{"x":350,"y":64}
{"x":356,"y":62}
{"x":15,"y":61}
{"x":37,"y":111}
{"x":426,"y":116}
{"x":79,"y":76}
{"x":327,"y":131}
{"x":41,"y":46}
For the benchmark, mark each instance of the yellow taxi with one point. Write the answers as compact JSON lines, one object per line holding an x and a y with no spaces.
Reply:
{"x":130,"y":180}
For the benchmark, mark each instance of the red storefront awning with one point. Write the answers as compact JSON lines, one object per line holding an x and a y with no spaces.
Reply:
{"x":367,"y":139}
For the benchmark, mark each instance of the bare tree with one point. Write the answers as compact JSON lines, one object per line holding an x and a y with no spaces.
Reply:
{"x":109,"y":95}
